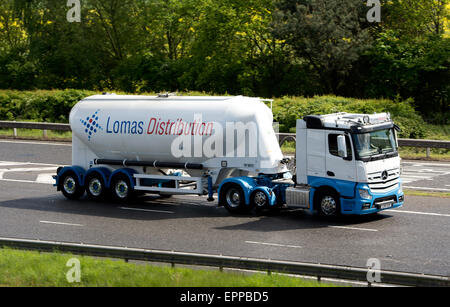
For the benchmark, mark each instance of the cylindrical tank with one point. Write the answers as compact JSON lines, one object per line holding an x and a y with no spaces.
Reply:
{"x":218,"y":132}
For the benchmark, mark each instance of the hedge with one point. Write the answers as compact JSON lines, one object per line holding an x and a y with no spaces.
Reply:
{"x":54,"y":106}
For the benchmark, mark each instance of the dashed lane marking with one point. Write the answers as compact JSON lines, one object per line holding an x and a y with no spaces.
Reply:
{"x":146,"y":210}
{"x":353,"y":228}
{"x":272,"y":244}
{"x":420,"y":213}
{"x":61,"y":223}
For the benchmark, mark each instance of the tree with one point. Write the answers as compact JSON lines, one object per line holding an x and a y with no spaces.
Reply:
{"x":329,"y":35}
{"x":416,"y":18}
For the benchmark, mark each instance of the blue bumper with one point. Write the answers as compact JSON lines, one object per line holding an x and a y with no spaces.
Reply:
{"x":374,"y":201}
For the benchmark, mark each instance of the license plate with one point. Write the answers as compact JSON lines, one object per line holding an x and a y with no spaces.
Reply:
{"x":385,"y":206}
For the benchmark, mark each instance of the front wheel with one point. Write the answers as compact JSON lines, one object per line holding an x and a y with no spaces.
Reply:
{"x":329,"y":205}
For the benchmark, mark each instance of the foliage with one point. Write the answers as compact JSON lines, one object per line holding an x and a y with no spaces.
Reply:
{"x":269,"y":48}
{"x":287,"y":110}
{"x":55,"y":106}
{"x":329,"y":34}
{"x":41,"y":106}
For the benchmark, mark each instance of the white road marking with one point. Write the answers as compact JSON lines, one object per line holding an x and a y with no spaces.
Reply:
{"x":146,"y":210}
{"x":6,"y":163}
{"x":60,"y":223}
{"x":24,"y":181}
{"x":353,"y":228}
{"x":45,"y":178}
{"x":273,"y":244}
{"x":26,"y":170}
{"x":418,"y":164}
{"x":420,"y":213}
{"x":427,"y":189}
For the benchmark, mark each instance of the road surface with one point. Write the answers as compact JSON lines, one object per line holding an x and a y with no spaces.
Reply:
{"x":415,"y":238}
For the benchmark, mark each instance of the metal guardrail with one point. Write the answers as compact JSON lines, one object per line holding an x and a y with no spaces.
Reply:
{"x":30,"y":125}
{"x":283,"y":137}
{"x":286,"y":267}
{"x":428,"y":144}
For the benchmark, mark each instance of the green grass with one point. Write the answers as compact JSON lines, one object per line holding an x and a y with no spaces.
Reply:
{"x":426,"y":193}
{"x":421,"y":154}
{"x":27,"y":268}
{"x":36,"y":134}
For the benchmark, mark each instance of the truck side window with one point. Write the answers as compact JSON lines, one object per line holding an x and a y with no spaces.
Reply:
{"x":333,"y":148}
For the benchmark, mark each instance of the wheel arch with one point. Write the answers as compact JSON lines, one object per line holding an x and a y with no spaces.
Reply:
{"x":247,"y":185}
{"x":129,"y":172}
{"x":266,"y":190}
{"x":104,"y":172}
{"x":78,"y":170}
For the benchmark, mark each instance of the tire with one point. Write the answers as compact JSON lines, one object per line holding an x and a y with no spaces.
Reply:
{"x":120,"y":189}
{"x":329,"y":205}
{"x":259,"y":200}
{"x":70,"y":187}
{"x":232,"y":198}
{"x":96,"y":187}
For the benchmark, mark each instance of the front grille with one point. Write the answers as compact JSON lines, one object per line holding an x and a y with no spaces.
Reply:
{"x":378,"y":185}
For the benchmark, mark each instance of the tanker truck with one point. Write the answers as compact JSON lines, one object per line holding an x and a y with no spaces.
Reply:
{"x":125,"y":146}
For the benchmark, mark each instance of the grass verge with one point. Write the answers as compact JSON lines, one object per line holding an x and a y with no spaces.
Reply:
{"x":28,"y":268}
{"x":426,"y":193}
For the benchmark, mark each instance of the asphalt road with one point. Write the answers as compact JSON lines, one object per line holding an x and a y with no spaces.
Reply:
{"x":415,"y":238}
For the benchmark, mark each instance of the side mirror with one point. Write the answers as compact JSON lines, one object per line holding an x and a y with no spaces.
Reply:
{"x":342,"y":146}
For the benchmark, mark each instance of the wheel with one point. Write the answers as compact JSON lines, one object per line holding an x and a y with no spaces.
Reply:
{"x":259,"y":200}
{"x":95,"y":187}
{"x":329,"y":205}
{"x":70,"y":187}
{"x":121,"y":189}
{"x":232,"y":198}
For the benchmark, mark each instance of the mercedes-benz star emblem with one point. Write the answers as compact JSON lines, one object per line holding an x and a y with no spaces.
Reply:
{"x":384,"y":175}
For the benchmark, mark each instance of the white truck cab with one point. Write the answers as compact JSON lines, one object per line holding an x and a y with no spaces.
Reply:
{"x":346,"y":164}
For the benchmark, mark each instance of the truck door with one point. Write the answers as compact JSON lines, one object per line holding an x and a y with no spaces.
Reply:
{"x":339,"y":168}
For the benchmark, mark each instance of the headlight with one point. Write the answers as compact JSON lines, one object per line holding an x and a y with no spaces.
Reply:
{"x":364,"y":194}
{"x":400,"y":188}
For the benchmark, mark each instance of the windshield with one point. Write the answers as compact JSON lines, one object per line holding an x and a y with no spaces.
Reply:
{"x":376,"y":143}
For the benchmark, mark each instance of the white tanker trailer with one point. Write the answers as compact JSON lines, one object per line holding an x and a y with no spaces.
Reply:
{"x":127,"y":145}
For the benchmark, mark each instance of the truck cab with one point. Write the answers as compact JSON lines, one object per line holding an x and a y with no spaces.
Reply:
{"x":346,"y":164}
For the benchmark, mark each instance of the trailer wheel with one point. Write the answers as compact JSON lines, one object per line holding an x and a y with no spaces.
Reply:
{"x":70,"y":187}
{"x":232,"y":198}
{"x":328,"y":204}
{"x":121,"y":189}
{"x":95,"y":187}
